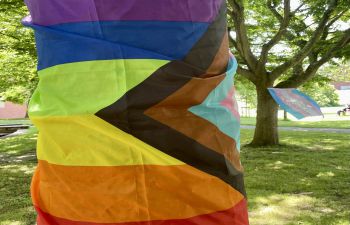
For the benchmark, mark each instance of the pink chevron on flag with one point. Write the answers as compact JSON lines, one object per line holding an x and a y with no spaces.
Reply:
{"x":230,"y":104}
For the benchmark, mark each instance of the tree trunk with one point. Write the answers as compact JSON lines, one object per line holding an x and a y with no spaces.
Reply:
{"x":285,"y":115}
{"x":266,"y":132}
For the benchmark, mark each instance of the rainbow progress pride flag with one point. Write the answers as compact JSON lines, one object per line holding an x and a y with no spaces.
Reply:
{"x":136,"y":114}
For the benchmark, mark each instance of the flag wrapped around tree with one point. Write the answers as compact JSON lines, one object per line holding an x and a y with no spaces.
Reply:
{"x":136,"y":114}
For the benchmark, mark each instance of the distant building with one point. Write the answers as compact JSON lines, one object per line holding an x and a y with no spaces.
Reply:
{"x":343,"y":91}
{"x":9,"y":110}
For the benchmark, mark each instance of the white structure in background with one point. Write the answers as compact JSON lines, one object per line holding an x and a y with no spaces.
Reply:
{"x":9,"y":110}
{"x":343,"y":91}
{"x":243,"y":107}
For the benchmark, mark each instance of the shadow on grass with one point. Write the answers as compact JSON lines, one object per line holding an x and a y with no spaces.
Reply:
{"x":17,"y":163}
{"x":306,"y":180}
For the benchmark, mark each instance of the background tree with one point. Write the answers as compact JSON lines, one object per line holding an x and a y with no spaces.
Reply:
{"x":17,"y":53}
{"x":282,"y":45}
{"x":322,"y":92}
{"x":337,"y":72}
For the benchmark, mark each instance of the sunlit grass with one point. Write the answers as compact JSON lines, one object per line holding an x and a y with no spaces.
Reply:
{"x":304,"y":181}
{"x":17,"y":163}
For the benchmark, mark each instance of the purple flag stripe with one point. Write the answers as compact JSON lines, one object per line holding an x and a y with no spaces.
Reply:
{"x":50,"y":12}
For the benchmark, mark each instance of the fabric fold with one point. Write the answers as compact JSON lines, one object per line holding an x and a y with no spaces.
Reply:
{"x":137,"y":120}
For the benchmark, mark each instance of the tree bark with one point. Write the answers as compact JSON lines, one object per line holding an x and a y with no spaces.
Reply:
{"x":285,"y":115}
{"x":266,"y":131}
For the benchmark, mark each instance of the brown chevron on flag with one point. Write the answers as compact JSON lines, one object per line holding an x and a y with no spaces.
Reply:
{"x":129,"y":112}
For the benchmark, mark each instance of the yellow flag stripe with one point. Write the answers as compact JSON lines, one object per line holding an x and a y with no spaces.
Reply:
{"x":90,"y":141}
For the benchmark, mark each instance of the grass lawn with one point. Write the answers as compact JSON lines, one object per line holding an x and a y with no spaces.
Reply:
{"x":305,"y":182}
{"x":15,"y":121}
{"x":17,"y":163}
{"x":342,"y":124}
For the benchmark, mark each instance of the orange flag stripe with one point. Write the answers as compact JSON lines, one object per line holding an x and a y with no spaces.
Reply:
{"x":129,"y":193}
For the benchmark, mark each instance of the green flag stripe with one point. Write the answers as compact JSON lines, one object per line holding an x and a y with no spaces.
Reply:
{"x":86,"y":87}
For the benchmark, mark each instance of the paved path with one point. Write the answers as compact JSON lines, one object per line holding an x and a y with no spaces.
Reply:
{"x":326,"y":130}
{"x":17,"y":133}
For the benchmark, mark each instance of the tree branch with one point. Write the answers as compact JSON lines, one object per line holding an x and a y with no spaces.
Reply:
{"x":247,"y":74}
{"x":231,"y":40}
{"x":243,"y":45}
{"x":336,"y":18}
{"x":278,"y":36}
{"x":298,"y":8}
{"x":300,"y":56}
{"x":272,"y":8}
{"x":311,"y":70}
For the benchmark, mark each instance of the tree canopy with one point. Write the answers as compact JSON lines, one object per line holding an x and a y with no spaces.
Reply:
{"x":282,"y":44}
{"x":337,"y":72}
{"x":279,"y":41}
{"x":17,"y":53}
